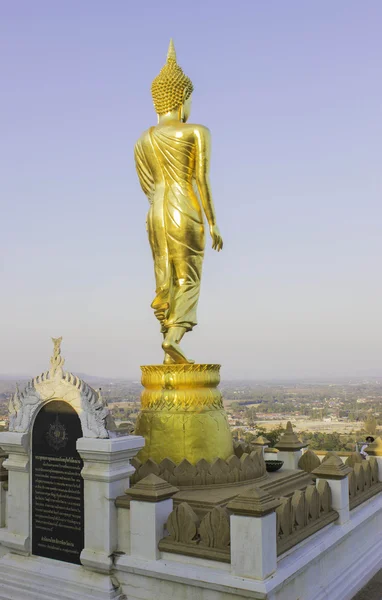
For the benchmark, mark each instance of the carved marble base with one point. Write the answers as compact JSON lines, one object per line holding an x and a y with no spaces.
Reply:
{"x":182,"y":414}
{"x":37,"y":578}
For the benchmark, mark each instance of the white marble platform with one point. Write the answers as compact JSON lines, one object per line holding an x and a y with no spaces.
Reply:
{"x":36,"y":578}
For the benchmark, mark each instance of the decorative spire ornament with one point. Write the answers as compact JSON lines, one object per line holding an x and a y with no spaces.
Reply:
{"x":56,"y":361}
{"x":289,"y":440}
{"x":171,"y":54}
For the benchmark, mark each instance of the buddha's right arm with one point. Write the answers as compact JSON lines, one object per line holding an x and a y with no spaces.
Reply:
{"x":144,"y":174}
{"x":202,"y":172}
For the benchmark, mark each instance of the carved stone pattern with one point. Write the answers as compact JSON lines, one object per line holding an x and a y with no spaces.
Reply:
{"x":57,"y":361}
{"x":352,"y":485}
{"x":174,"y":400}
{"x":182,"y":524}
{"x":374,"y":469}
{"x":298,"y":517}
{"x":57,"y":384}
{"x":309,"y":461}
{"x":234,"y":469}
{"x":325,"y":494}
{"x":353,"y":459}
{"x":188,"y":387}
{"x":363,"y":481}
{"x":284,"y":518}
{"x":209,"y":538}
{"x":152,"y":375}
{"x":303,"y":511}
{"x":215,"y":529}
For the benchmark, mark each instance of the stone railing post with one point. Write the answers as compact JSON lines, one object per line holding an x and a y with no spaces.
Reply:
{"x":289,"y":448}
{"x":261,"y":442}
{"x":150,"y":506}
{"x":106,"y":473}
{"x":16,"y":536}
{"x":375,"y":449}
{"x":253,"y":534}
{"x":335,"y":472}
{"x":3,"y":481}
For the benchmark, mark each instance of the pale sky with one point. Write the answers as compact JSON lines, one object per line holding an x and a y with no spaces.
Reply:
{"x":291,"y":92}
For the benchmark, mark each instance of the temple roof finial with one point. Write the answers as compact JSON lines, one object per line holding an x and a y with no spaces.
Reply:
{"x":56,"y":361}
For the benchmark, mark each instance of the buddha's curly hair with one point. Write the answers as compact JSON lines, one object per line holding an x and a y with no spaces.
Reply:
{"x":170,"y":88}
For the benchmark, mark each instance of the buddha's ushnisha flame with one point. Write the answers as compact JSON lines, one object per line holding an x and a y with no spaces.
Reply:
{"x":171,"y":87}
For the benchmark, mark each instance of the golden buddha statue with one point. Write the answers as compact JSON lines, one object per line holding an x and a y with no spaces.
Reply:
{"x":182,"y":414}
{"x":172,"y":161}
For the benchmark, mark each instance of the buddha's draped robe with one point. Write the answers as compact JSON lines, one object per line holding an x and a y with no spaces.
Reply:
{"x":165,"y":162}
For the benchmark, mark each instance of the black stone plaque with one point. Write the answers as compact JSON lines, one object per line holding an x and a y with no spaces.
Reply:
{"x":57,"y":485}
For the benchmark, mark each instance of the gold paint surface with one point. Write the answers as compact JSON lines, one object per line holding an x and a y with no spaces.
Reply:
{"x":182,"y":414}
{"x":172,"y":161}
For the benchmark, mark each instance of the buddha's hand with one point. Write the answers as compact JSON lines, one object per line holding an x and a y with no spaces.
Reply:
{"x":217,"y":240}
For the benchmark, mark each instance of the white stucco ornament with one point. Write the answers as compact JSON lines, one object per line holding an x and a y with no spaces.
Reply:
{"x":57,"y":384}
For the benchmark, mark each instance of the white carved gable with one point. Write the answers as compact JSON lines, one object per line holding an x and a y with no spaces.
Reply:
{"x":57,"y":384}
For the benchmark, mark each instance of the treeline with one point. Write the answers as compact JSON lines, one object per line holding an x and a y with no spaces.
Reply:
{"x":316,"y":440}
{"x":250,"y":413}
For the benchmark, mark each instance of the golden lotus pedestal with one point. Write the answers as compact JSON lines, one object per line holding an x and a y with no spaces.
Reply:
{"x":182,"y":414}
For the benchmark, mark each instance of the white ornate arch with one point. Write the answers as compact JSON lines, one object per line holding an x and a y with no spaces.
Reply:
{"x":57,"y":384}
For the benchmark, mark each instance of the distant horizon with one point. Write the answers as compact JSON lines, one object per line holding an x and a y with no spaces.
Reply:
{"x":297,"y":379}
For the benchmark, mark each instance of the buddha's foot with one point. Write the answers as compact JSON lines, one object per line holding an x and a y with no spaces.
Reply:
{"x":168,"y":360}
{"x":174,"y":352}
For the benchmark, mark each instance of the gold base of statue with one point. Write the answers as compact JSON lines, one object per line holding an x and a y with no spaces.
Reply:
{"x":182,"y":414}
